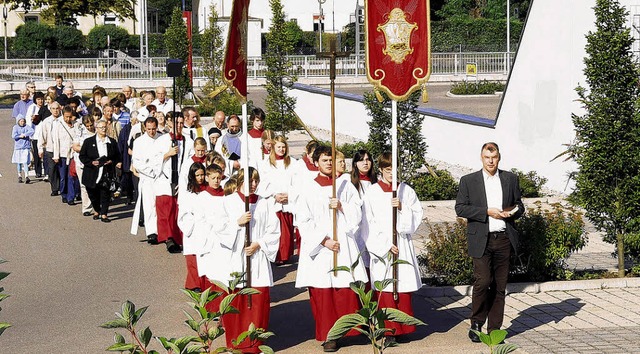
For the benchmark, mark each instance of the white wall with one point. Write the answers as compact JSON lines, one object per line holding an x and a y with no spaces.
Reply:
{"x":535,"y":118}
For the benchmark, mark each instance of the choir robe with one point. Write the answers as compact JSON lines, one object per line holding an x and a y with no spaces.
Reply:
{"x":264,"y":229}
{"x":363,"y":231}
{"x":330,"y":295}
{"x":166,"y":198}
{"x":280,"y":179}
{"x":254,"y":147}
{"x":183,"y":178}
{"x":377,"y":206}
{"x":147,"y":160}
{"x":187,"y":210}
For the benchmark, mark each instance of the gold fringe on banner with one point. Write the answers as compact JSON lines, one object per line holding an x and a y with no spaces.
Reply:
{"x":425,"y":94}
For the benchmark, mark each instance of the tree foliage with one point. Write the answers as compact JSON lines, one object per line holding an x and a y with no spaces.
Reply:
{"x":490,"y":9}
{"x":212,"y":46}
{"x":177,"y":43}
{"x":97,"y":37}
{"x":33,"y":38}
{"x":66,"y":12}
{"x":411,"y":145}
{"x":280,"y":76}
{"x":607,"y":144}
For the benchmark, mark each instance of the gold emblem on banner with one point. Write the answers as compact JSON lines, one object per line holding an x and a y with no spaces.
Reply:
{"x":397,"y":33}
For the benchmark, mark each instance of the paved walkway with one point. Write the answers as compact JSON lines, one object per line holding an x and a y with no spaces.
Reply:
{"x":69,"y":274}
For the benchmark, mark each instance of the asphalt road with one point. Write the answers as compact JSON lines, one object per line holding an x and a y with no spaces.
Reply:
{"x":69,"y":274}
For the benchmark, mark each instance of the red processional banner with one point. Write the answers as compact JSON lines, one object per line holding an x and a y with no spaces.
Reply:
{"x":235,"y":57}
{"x":398,"y":50}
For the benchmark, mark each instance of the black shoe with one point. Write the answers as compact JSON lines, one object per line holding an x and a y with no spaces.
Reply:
{"x":71,"y":202}
{"x":96,"y":216}
{"x":141,"y":223}
{"x":38,"y":176}
{"x":330,"y":346}
{"x":19,"y":179}
{"x":173,"y":247}
{"x":64,"y":200}
{"x":472,"y":335}
{"x":105,"y":219}
{"x":78,"y":198}
{"x":152,"y":239}
{"x":27,"y":180}
{"x":53,"y":194}
{"x":87,"y":213}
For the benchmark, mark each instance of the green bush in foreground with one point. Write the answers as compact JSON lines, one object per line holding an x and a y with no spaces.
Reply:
{"x":429,"y":187}
{"x":530,"y":183}
{"x":483,"y":87}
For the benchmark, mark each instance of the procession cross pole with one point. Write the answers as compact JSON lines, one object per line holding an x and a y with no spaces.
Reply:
{"x":332,"y":54}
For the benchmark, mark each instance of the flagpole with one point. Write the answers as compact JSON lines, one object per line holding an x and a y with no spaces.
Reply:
{"x":394,"y":187}
{"x":245,"y":165}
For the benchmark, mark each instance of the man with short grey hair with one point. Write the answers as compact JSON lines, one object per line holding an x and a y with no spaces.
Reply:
{"x":21,"y":106}
{"x":162,"y":103}
{"x":130,"y":101}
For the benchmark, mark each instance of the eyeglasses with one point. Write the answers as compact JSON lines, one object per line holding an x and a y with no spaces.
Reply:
{"x":31,"y":87}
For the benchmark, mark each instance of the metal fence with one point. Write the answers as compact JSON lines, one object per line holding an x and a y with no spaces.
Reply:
{"x":121,"y":67}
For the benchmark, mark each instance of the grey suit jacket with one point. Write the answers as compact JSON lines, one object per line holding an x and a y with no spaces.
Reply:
{"x":471,"y":203}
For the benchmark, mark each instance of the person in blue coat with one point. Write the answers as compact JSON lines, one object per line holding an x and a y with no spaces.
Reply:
{"x":21,"y":135}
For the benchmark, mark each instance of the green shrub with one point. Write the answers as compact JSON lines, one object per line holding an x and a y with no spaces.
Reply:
{"x":446,"y":261}
{"x":68,"y":38}
{"x":350,"y":149}
{"x":428,"y":187}
{"x":483,"y":87}
{"x":530,"y":183}
{"x":33,"y":38}
{"x":156,"y":44}
{"x":547,"y":238}
{"x":97,"y":37}
{"x":470,"y":35}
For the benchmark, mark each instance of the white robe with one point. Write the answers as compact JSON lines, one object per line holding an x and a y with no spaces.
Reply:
{"x":228,"y":144}
{"x":255,"y":152}
{"x":265,"y":229}
{"x":314,"y":219}
{"x":278,"y":179}
{"x":162,"y":183}
{"x":377,"y":206}
{"x":147,"y":160}
{"x":363,"y":231}
{"x":209,"y":222}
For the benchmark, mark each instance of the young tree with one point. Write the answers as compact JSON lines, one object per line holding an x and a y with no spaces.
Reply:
{"x":411,"y":145}
{"x":607,"y":145}
{"x":177,"y":43}
{"x":66,"y":12}
{"x":280,"y":76}
{"x":212,"y":46}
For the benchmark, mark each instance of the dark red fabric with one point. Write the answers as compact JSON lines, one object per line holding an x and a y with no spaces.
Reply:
{"x":309,"y":164}
{"x":403,"y":304}
{"x":385,"y":187}
{"x":256,"y":133}
{"x":193,"y":281}
{"x":364,"y":177}
{"x":323,"y":181}
{"x":236,"y":323}
{"x":253,"y":198}
{"x":167,"y":211}
{"x":297,"y":239}
{"x":176,"y":137}
{"x":285,"y":250}
{"x":214,"y":305}
{"x":72,"y":168}
{"x":218,"y":192}
{"x":278,"y":157}
{"x":199,"y":159}
{"x":328,"y":305}
{"x":265,"y":151}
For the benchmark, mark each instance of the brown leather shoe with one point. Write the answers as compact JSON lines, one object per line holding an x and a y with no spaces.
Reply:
{"x":330,"y":346}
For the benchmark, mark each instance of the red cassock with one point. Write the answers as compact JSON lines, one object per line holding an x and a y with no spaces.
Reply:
{"x":328,"y":305}
{"x":236,"y":323}
{"x":193,"y":281}
{"x":167,"y":211}
{"x":285,"y":251}
{"x":403,"y":304}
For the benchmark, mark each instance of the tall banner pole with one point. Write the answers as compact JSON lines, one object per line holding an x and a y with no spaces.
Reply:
{"x":247,"y":192}
{"x":398,"y":62}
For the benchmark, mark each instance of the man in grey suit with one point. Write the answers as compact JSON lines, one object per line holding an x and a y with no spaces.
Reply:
{"x":490,"y":201}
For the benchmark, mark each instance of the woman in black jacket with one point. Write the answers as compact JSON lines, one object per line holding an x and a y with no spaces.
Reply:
{"x":100,"y":156}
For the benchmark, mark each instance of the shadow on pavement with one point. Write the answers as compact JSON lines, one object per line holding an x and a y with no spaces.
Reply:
{"x":292,"y":322}
{"x":542,"y":314}
{"x":438,"y":320}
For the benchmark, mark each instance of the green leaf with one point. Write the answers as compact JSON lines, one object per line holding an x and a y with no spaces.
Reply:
{"x":381,"y":259}
{"x":121,"y":347}
{"x":265,"y":335}
{"x":118,"y":338}
{"x":266,"y":349}
{"x":3,"y":260}
{"x":399,"y":261}
{"x":248,"y":291}
{"x":138,"y":314}
{"x":497,"y":336}
{"x":355,"y":264}
{"x":340,"y":269}
{"x":195,"y":348}
{"x":241,"y":337}
{"x":225,"y":304}
{"x":380,"y":285}
{"x":484,"y":338}
{"x":193,"y":324}
{"x":183,"y":341}
{"x":504,"y":348}
{"x":117,"y":323}
{"x":128,"y":308}
{"x":398,"y":316}
{"x":222,"y":286}
{"x":344,"y":324}
{"x":3,"y":296}
{"x":4,"y":326}
{"x":145,"y":336}
{"x":215,"y":332}
{"x":4,"y":275}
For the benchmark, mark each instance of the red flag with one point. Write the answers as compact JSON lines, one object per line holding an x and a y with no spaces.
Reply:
{"x":398,"y":54}
{"x":235,"y":58}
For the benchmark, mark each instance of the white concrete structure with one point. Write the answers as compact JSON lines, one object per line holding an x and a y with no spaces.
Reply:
{"x":534,"y":120}
{"x":336,"y":12}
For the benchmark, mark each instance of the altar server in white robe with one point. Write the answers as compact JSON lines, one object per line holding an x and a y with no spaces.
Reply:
{"x":147,"y":160}
{"x":187,"y":209}
{"x":199,"y":150}
{"x":378,"y":204}
{"x":329,"y":294}
{"x":363,"y":175}
{"x":265,"y":236}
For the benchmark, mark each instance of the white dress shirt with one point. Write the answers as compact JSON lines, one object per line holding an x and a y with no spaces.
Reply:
{"x":493,"y":191}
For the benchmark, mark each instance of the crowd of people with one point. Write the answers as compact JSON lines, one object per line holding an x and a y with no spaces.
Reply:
{"x":187,"y":181}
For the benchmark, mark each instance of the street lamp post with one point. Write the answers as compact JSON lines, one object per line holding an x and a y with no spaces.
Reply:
{"x":320,"y":2}
{"x":508,"y":66}
{"x":5,"y":14}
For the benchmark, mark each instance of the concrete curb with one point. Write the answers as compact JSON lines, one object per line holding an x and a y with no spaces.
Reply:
{"x":453,"y":95}
{"x":536,"y":288}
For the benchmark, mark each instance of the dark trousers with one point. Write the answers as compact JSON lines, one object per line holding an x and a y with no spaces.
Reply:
{"x":126,"y":184}
{"x":67,"y":187}
{"x":491,"y":272}
{"x":37,"y":161}
{"x":100,"y":198}
{"x":52,"y":171}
